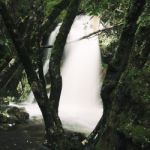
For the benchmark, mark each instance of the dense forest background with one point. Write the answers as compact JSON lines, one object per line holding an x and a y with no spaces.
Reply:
{"x":25,"y":27}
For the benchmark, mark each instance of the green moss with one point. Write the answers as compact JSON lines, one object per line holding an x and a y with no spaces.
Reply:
{"x":136,"y":133}
{"x":49,"y":5}
{"x":139,"y":85}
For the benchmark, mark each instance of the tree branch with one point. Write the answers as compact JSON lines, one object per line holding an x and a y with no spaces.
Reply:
{"x":120,"y":60}
{"x":44,"y":31}
{"x":51,"y":19}
{"x":118,"y":65}
{"x":47,"y":46}
{"x":33,"y":79}
{"x":100,"y":31}
{"x":57,"y":52}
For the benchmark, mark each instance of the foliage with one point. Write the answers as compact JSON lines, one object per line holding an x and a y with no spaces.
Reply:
{"x":138,"y":133}
{"x":48,"y":6}
{"x":145,"y":17}
{"x":6,"y":47}
{"x":140,"y":86}
{"x":23,"y":89}
{"x":109,"y":10}
{"x":132,"y":91}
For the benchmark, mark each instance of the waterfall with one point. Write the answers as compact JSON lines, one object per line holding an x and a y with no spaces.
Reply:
{"x":47,"y":54}
{"x":80,"y":106}
{"x":30,"y":104}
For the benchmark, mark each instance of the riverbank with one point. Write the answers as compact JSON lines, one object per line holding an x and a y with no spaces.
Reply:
{"x":27,"y":136}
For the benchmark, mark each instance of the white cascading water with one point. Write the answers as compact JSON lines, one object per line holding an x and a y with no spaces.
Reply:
{"x":80,"y":105}
{"x":30,"y":105}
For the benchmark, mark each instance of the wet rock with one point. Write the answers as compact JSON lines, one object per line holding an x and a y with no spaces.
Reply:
{"x":7,"y":119}
{"x":7,"y":122}
{"x":13,"y":110}
{"x":73,"y":141}
{"x":18,"y":113}
{"x":1,"y":118}
{"x":11,"y":116}
{"x":22,"y":116}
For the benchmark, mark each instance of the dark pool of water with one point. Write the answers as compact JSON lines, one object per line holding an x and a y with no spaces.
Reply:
{"x":28,"y":136}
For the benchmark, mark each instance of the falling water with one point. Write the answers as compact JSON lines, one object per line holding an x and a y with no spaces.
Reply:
{"x":30,"y":99}
{"x":30,"y":104}
{"x":80,"y":105}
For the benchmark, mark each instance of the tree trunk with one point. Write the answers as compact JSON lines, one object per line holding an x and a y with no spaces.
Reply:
{"x":33,"y":79}
{"x":6,"y":73}
{"x":54,"y":130}
{"x":57,"y":52}
{"x":118,"y":65}
{"x":127,"y":126}
{"x":125,"y":93}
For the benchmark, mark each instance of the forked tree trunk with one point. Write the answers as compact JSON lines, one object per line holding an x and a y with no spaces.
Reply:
{"x":34,"y":81}
{"x":127,"y":125}
{"x":125,"y":90}
{"x":6,"y":73}
{"x":118,"y":65}
{"x":49,"y":111}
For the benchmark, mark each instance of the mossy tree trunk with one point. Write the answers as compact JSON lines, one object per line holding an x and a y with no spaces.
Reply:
{"x":33,"y":79}
{"x":124,"y":125}
{"x":6,"y":73}
{"x":54,"y":130}
{"x":127,"y":124}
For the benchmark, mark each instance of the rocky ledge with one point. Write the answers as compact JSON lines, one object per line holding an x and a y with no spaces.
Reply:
{"x":11,"y":116}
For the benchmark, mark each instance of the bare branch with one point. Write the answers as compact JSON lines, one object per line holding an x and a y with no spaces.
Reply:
{"x":48,"y":46}
{"x":100,"y":31}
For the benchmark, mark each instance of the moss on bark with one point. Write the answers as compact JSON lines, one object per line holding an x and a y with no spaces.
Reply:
{"x":127,"y":121}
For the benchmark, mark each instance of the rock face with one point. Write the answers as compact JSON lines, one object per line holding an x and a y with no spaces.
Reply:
{"x":11,"y":116}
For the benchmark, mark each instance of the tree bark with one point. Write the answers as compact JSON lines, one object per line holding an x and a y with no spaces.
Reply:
{"x":127,"y":122}
{"x":57,"y":52}
{"x":7,"y":72}
{"x":49,"y":24}
{"x":54,"y":130}
{"x":33,"y":79}
{"x":116,"y":67}
{"x":122,"y":126}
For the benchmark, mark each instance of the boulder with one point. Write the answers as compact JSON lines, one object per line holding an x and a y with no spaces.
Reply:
{"x":11,"y":116}
{"x":19,"y":113}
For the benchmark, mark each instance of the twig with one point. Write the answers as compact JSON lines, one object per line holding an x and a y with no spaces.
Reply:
{"x":98,"y":31}
{"x":48,"y":46}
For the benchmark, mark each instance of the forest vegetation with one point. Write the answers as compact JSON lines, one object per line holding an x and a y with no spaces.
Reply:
{"x":124,"y":42}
